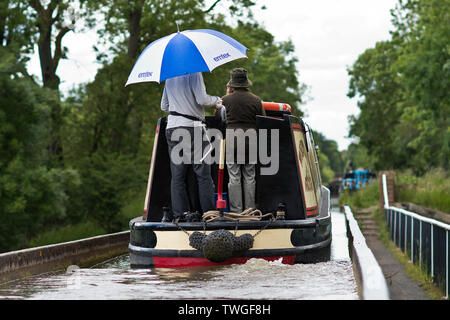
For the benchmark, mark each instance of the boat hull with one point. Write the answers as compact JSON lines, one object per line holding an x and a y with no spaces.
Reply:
{"x":166,"y":245}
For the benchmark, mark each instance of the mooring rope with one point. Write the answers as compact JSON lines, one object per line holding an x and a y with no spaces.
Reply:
{"x":249,"y":214}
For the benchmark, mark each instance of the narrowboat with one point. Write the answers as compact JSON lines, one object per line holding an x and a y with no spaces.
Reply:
{"x":291,"y":220}
{"x":354,"y":180}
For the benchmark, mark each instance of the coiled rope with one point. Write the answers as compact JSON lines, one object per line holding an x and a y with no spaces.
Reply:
{"x":249,"y":214}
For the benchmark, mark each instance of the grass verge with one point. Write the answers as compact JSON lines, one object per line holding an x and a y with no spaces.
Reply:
{"x":67,"y":233}
{"x":430,"y":190}
{"x":368,"y":197}
{"x":89,"y":228}
{"x":412,"y":270}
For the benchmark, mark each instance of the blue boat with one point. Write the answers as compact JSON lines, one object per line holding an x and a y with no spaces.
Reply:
{"x":356,"y":179}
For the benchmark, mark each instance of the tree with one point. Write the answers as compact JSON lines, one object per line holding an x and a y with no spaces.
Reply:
{"x":356,"y":156}
{"x":271,"y":65}
{"x":16,"y":31}
{"x":404,"y":89}
{"x":109,"y":129}
{"x":372,"y":78}
{"x":117,"y":115}
{"x":54,"y":19}
{"x":330,"y":149}
{"x":424,"y":68}
{"x":53,"y":22}
{"x":32,"y":195}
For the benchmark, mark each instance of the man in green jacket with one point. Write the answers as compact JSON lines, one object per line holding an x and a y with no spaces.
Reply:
{"x":242,"y":107}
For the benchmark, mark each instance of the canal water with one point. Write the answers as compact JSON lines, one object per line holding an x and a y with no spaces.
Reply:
{"x":257,"y":279}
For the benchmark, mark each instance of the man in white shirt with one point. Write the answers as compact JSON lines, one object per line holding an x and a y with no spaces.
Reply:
{"x":185,"y":99}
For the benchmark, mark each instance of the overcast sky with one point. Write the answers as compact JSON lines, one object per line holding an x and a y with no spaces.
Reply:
{"x":328,"y":36}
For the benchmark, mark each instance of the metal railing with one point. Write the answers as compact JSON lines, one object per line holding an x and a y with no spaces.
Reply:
{"x":425,"y":241}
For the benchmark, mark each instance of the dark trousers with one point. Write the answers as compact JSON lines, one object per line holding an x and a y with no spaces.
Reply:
{"x":179,"y":195}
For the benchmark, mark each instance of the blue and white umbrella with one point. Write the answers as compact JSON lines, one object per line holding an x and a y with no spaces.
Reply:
{"x":185,"y":52}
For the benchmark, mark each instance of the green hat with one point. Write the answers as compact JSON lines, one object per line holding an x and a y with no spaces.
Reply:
{"x":239,"y":79}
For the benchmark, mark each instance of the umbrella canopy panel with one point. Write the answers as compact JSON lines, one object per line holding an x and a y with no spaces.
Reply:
{"x":185,"y":52}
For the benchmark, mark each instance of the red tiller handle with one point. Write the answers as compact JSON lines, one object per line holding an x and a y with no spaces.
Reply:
{"x":220,"y":203}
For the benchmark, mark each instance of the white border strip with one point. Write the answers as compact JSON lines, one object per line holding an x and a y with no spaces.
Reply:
{"x":385,"y":193}
{"x":373,"y":283}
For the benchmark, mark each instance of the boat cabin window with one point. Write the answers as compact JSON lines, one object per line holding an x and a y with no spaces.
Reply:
{"x":349,"y":175}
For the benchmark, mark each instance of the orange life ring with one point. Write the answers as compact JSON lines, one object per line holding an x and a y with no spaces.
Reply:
{"x":275,"y":106}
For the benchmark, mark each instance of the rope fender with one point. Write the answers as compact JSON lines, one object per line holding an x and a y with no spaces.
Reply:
{"x":221,"y":245}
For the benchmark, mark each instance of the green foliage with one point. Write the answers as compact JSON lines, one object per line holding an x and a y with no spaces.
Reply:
{"x":326,"y":173}
{"x":373,"y":80}
{"x":329,"y":148}
{"x":107,"y":180}
{"x":31,"y":193}
{"x":109,"y":129}
{"x":16,"y":30}
{"x":271,"y":66}
{"x":362,"y":198}
{"x":77,"y":168}
{"x":133,"y":205}
{"x":330,"y":159}
{"x":404,"y":89}
{"x":357,"y":156}
{"x":67,"y":233}
{"x":430,"y":190}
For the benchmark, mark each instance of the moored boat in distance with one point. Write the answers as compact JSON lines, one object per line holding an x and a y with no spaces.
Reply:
{"x":291,"y":221}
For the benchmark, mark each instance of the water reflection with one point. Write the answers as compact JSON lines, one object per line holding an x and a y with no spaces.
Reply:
{"x":257,"y":279}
